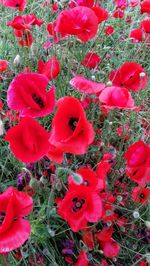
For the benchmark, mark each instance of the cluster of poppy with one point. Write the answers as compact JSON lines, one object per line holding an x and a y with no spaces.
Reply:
{"x":71,"y":132}
{"x":88,"y":201}
{"x":81,"y":20}
{"x":130,"y":76}
{"x":22,"y":28}
{"x":142,"y":34}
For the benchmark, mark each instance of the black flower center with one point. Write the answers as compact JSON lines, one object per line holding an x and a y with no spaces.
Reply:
{"x":135,"y":172}
{"x":17,"y":5}
{"x":73,"y":121}
{"x":141,"y":195}
{"x":86,"y":183}
{"x":77,"y":204}
{"x":131,"y":77}
{"x":2,"y":217}
{"x":38,"y":100}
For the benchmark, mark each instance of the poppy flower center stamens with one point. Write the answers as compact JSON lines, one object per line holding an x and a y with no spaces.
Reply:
{"x":17,"y":5}
{"x":131,"y":77}
{"x":73,"y":123}
{"x":135,"y":172}
{"x":2,"y":217}
{"x":38,"y":100}
{"x":86,"y":183}
{"x":141,"y":195}
{"x":77,"y":204}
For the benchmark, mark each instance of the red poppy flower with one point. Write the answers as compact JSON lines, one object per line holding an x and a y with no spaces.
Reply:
{"x":28,"y":140}
{"x":141,"y":195}
{"x":22,"y":28}
{"x":27,"y":94}
{"x":80,"y":21}
{"x":89,"y":179}
{"x":116,"y":97}
{"x":55,"y":154}
{"x":109,"y":30}
{"x":18,"y":4}
{"x":145,"y":7}
{"x":50,"y":69}
{"x":118,"y":14}
{"x":91,"y":60}
{"x":71,"y":132}
{"x":55,"y":8}
{"x":82,"y":259}
{"x":52,"y":32}
{"x":128,"y":76}
{"x":103,"y":263}
{"x":143,"y":263}
{"x":14,"y":229}
{"x":87,"y":3}
{"x":105,"y":234}
{"x":1,"y":105}
{"x":138,"y":162}
{"x":137,"y":35}
{"x":122,"y":4}
{"x":110,"y":248}
{"x":80,"y":206}
{"x":88,"y":239}
{"x":140,"y":175}
{"x":24,"y":22}
{"x":101,"y":13}
{"x":3,"y":65}
{"x":134,"y":3}
{"x":85,"y":85}
{"x":137,"y":155}
{"x":26,"y":39}
{"x":145,"y":25}
{"x":102,"y":169}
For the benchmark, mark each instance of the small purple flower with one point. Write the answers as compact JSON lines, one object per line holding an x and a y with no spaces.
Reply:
{"x":23,"y":179}
{"x":68,"y":247}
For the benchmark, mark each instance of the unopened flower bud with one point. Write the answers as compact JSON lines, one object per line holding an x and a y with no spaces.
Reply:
{"x":109,"y":83}
{"x":101,"y":252}
{"x":142,"y":75}
{"x":147,"y":223}
{"x":136,"y":214}
{"x":109,"y":223}
{"x":43,"y":180}
{"x":119,"y":198}
{"x":1,"y":128}
{"x":114,"y":259}
{"x":16,"y":61}
{"x":77,"y":178}
{"x":51,"y":232}
{"x":93,"y":77}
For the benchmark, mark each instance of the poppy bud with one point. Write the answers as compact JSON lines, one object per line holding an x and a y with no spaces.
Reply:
{"x":109,"y":83}
{"x":16,"y":61}
{"x":136,"y":214}
{"x":93,"y":77}
{"x":147,"y":223}
{"x":51,"y":232}
{"x":142,"y":75}
{"x":77,"y":178}
{"x":1,"y":128}
{"x":119,"y":198}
